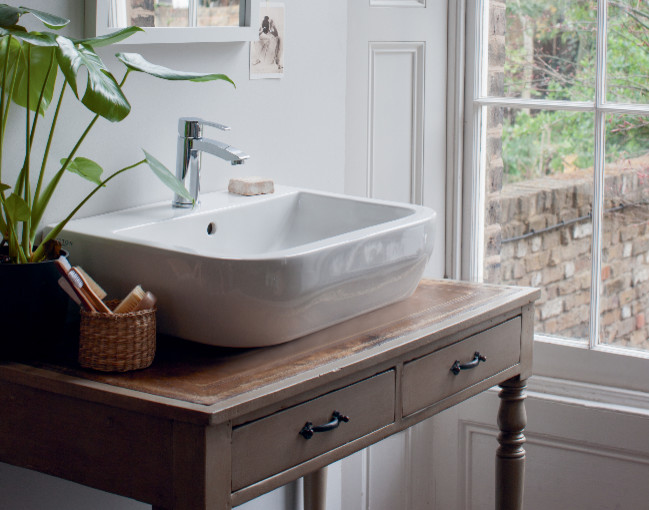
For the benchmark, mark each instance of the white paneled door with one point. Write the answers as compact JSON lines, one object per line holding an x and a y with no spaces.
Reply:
{"x":396,"y":105}
{"x":396,"y":150}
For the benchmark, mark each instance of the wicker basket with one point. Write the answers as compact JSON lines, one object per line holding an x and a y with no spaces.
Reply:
{"x":119,"y":342}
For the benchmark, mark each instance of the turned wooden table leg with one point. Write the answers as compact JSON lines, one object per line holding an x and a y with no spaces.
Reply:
{"x":510,"y":456}
{"x":315,"y":490}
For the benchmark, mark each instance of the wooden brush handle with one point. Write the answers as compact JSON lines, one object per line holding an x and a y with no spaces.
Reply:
{"x":97,"y":303}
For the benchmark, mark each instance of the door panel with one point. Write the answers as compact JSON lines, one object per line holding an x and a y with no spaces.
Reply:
{"x":396,"y":105}
{"x":395,"y":128}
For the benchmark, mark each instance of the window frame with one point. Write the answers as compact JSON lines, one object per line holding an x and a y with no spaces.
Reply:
{"x":589,"y":362}
{"x":97,"y":24}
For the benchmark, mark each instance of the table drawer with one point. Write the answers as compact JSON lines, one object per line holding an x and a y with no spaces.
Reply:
{"x":273,"y":444}
{"x":429,"y":379}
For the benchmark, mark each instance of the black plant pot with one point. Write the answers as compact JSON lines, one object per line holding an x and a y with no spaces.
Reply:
{"x":33,"y":311}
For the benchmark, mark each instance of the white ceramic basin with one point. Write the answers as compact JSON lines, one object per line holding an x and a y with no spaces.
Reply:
{"x":254,"y":271}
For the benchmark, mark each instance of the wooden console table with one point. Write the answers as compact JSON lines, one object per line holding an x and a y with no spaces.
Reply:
{"x":209,"y":428}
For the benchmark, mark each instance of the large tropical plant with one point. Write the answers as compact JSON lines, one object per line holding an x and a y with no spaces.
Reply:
{"x":29,"y":65}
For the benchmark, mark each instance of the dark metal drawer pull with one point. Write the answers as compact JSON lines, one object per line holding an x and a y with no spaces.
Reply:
{"x":477,"y":358}
{"x":309,"y":429}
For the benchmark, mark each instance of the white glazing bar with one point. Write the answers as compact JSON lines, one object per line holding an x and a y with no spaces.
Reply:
{"x":479,"y":185}
{"x":537,"y":104}
{"x":598,"y":185}
{"x":192,"y":14}
{"x":575,"y":106}
{"x":623,"y":108}
{"x":598,"y":208}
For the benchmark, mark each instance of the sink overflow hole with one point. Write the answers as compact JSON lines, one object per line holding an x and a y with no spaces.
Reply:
{"x":211,"y":228}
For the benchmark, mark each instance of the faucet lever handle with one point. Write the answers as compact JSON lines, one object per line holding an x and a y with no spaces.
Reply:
{"x":216,"y":125}
{"x":192,"y":127}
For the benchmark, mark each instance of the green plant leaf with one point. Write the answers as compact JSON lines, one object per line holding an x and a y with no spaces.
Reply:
{"x":4,"y":187}
{"x":33,"y":38}
{"x":49,"y":20}
{"x":86,"y":168}
{"x":108,"y":39}
{"x":40,"y":61}
{"x":17,"y":208}
{"x":9,"y":16}
{"x":135,"y":62}
{"x":103,"y":95}
{"x":166,"y":176}
{"x":69,"y":61}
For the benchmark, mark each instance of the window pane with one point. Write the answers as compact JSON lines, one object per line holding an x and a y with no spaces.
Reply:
{"x":624,"y":305}
{"x":628,"y":51}
{"x":538,"y":228}
{"x":542,"y":49}
{"x":175,"y":13}
{"x":149,"y":13}
{"x":218,"y":13}
{"x":169,"y":13}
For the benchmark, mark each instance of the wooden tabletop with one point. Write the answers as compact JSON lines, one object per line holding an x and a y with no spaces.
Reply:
{"x":224,"y":383}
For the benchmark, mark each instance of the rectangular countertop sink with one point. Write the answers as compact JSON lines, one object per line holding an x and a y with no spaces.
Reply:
{"x":241,"y":271}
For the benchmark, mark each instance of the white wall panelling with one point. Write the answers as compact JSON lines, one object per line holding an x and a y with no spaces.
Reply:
{"x":394,"y":474}
{"x":395,"y":121}
{"x":388,"y":469}
{"x":570,"y":464}
{"x":396,"y":149}
{"x":560,"y":474}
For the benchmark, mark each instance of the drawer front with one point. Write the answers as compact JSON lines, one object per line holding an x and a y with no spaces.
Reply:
{"x":429,"y":379}
{"x":273,"y":444}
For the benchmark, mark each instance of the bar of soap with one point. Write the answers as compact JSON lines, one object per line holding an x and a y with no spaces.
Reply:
{"x":250,"y":186}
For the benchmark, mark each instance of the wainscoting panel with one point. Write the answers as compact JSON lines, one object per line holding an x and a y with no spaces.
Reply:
{"x":561,"y":474}
{"x":580,"y":455}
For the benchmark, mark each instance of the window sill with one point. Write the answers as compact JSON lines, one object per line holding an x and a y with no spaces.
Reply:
{"x":589,"y":395}
{"x":604,"y":366}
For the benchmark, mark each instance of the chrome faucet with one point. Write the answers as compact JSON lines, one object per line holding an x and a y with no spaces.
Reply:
{"x":191,"y":145}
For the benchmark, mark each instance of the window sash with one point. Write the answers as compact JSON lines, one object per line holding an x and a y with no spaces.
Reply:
{"x":476,"y":177}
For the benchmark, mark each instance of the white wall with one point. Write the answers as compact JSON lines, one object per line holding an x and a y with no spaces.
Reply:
{"x":293,"y":128}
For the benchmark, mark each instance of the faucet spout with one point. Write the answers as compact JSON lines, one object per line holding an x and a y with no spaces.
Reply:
{"x":191,"y":146}
{"x":221,"y":150}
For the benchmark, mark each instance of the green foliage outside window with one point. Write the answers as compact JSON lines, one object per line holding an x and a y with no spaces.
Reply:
{"x":551,"y":54}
